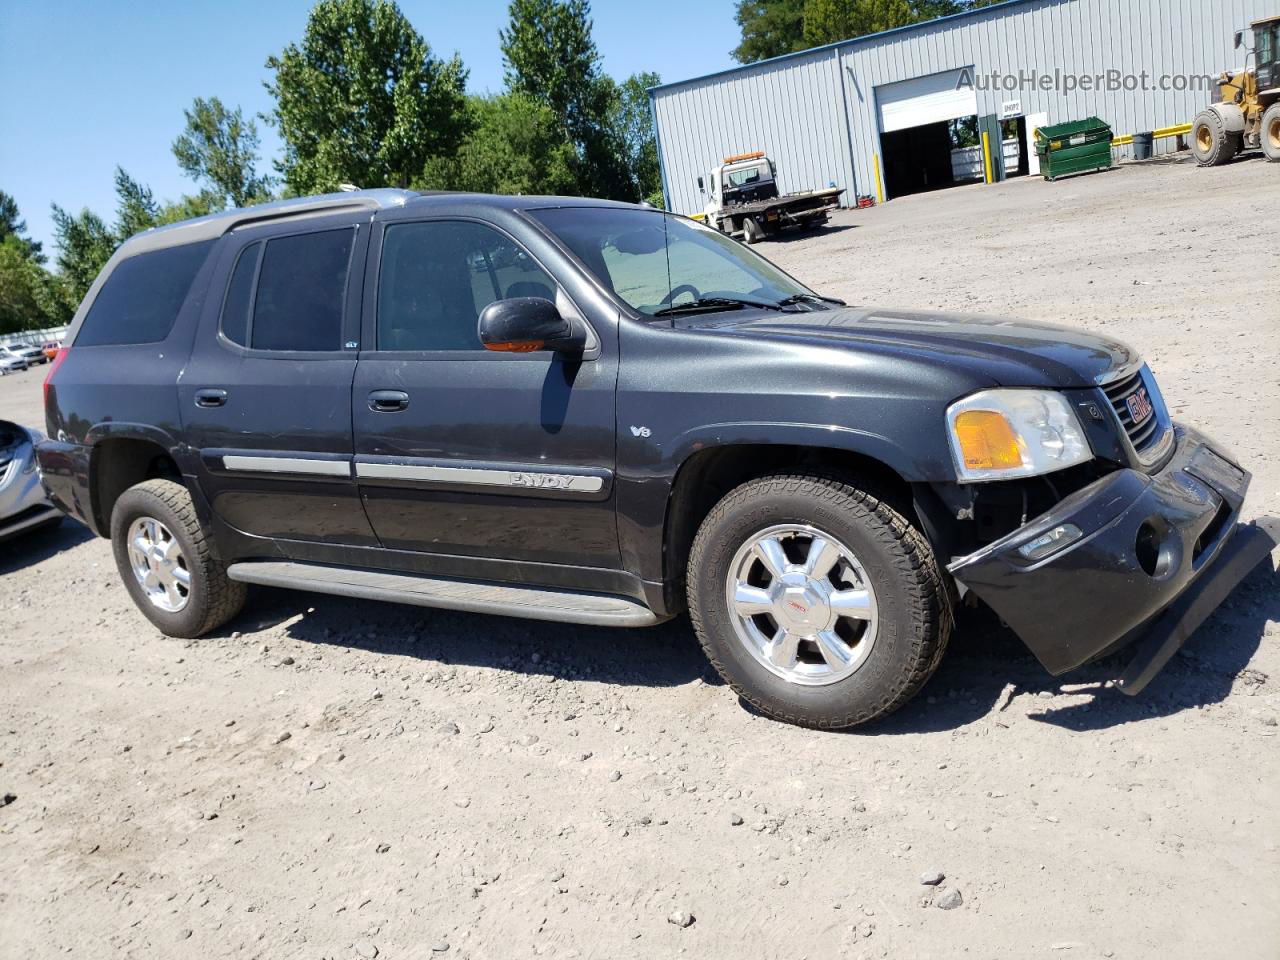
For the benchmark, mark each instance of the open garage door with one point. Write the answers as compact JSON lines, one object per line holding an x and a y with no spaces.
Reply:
{"x":922,"y":100}
{"x":925,"y":138}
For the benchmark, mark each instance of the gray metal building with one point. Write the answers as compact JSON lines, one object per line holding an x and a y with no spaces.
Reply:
{"x":878,"y":115}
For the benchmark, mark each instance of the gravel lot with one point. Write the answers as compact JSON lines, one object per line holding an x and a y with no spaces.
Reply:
{"x":329,"y":778}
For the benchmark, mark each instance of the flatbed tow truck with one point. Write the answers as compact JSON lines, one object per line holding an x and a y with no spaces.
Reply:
{"x":744,"y":200}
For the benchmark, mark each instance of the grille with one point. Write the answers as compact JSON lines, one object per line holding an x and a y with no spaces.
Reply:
{"x":1141,"y":435}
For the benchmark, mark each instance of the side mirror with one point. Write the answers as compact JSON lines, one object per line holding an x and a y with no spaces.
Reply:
{"x":523,"y":325}
{"x":1239,"y":38}
{"x":701,"y":186}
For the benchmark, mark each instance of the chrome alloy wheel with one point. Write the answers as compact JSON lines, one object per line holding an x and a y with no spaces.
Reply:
{"x":802,"y":604}
{"x":158,"y":564}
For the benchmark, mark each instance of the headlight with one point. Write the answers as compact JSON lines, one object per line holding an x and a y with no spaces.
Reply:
{"x":1001,"y":434}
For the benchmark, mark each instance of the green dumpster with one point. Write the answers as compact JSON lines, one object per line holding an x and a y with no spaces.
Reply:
{"x":1075,"y":147}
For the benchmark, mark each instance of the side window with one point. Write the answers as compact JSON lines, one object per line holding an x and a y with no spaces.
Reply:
{"x":300,"y":294}
{"x":235,"y":309}
{"x":141,"y":299}
{"x":437,"y":276}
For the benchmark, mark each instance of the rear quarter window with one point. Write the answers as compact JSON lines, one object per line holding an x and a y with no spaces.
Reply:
{"x":141,"y":298}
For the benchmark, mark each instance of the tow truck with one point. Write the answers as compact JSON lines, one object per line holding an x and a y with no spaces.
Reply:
{"x":744,"y":200}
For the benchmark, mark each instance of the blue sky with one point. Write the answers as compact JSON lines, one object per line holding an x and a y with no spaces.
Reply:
{"x":88,"y":84}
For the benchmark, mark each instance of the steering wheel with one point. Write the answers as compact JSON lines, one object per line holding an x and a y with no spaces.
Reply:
{"x":683,"y":288}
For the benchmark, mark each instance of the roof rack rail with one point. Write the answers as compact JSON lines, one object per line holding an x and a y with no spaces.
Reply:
{"x":216,"y":224}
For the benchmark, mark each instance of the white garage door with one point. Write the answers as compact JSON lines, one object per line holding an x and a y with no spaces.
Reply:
{"x":920,"y":100}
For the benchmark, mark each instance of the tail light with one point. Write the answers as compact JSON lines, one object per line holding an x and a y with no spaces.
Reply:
{"x":53,"y":368}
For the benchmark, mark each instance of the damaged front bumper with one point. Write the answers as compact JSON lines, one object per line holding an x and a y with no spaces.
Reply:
{"x":1130,"y":556}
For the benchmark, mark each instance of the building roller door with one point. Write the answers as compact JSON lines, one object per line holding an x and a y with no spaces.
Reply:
{"x":922,"y":100}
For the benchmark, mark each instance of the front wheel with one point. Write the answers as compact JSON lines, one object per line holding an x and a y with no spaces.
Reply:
{"x":1271,"y":133}
{"x":1211,"y":144}
{"x":817,"y":602}
{"x":168,"y":563}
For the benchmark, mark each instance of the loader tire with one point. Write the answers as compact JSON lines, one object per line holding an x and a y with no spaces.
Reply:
{"x":1271,"y":133}
{"x":1211,"y":144}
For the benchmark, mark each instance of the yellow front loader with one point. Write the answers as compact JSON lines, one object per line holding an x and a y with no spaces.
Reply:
{"x":1246,"y":115}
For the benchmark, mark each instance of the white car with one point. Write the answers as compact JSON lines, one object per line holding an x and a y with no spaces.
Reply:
{"x":10,"y":364}
{"x":24,"y":351}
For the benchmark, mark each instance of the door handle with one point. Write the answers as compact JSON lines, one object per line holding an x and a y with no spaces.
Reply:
{"x":388,"y":401}
{"x":211,"y":397}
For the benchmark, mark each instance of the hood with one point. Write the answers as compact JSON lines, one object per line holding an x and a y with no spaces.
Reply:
{"x":1015,"y":353}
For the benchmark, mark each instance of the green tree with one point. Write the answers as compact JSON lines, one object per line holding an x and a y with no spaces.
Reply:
{"x":549,"y":55}
{"x":769,"y":28}
{"x":19,"y":306}
{"x":136,"y":208}
{"x":362,"y":100}
{"x":633,"y":126}
{"x":189,"y":206}
{"x":516,"y":146}
{"x":826,"y":21}
{"x":12,"y":225}
{"x":219,"y":150}
{"x":84,"y":243}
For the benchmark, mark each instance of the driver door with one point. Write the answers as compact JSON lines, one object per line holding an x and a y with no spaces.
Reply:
{"x":462,"y":451}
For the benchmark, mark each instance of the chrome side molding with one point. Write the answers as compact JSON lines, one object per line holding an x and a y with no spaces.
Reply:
{"x":252,"y":464}
{"x":478,"y":476}
{"x":481,"y":476}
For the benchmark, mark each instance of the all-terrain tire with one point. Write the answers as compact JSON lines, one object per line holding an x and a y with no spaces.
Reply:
{"x":913,"y":606}
{"x":1211,"y":144}
{"x":213,"y":598}
{"x":1271,"y":132}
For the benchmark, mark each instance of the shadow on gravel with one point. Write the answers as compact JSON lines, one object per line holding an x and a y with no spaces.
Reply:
{"x":984,"y":657}
{"x":37,"y":546}
{"x":665,"y":655}
{"x":796,"y":236}
{"x":982,"y":660}
{"x":1203,"y":672}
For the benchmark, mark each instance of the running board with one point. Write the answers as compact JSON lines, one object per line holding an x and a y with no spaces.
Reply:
{"x":561,"y":606}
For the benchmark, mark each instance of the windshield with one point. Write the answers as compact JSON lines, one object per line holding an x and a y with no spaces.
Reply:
{"x":654,"y":260}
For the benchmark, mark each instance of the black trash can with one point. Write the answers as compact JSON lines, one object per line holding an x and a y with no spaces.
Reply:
{"x":1142,"y":144}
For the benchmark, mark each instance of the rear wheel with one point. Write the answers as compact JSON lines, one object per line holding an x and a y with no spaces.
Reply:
{"x":168,"y":564}
{"x":817,"y":602}
{"x":1211,"y":144}
{"x":751,"y":230}
{"x":1271,"y":132}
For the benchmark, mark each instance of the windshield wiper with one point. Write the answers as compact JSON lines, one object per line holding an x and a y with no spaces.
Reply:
{"x":709,"y":304}
{"x":810,"y":298}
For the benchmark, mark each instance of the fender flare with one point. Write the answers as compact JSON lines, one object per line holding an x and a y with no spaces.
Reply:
{"x":119,"y":430}
{"x":646,"y":491}
{"x":831,"y":437}
{"x":181,"y":454}
{"x":1232,"y":116}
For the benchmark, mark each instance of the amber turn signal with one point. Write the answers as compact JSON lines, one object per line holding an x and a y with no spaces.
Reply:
{"x":987,"y":441}
{"x":515,"y":346}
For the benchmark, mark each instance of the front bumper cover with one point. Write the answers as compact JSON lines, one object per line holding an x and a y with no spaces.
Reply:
{"x":1151,"y":559}
{"x":23,"y":503}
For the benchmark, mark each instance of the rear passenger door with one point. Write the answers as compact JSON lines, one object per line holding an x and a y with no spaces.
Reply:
{"x":266,"y":398}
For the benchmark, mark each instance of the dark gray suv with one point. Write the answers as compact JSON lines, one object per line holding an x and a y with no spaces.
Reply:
{"x":593,"y":412}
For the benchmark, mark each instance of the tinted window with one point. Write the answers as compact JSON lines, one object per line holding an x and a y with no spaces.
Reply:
{"x":301,"y":287}
{"x":235,"y":309}
{"x":142,"y":297}
{"x":436,"y":278}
